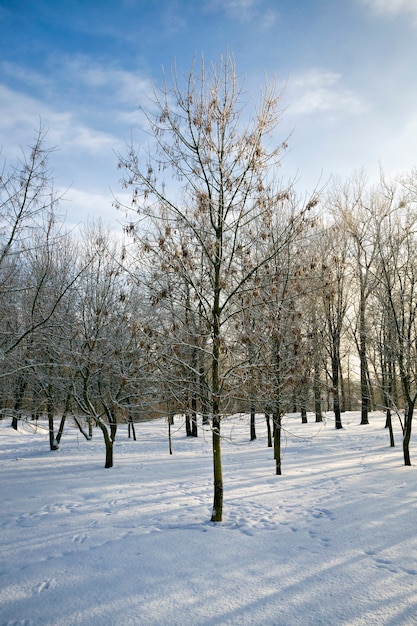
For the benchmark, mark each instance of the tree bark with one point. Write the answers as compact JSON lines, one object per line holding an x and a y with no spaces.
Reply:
{"x":252,"y":424}
{"x":365,"y":400}
{"x":407,"y":433}
{"x":277,"y":441}
{"x":335,"y":391}
{"x":217,"y":512}
{"x":268,"y":428}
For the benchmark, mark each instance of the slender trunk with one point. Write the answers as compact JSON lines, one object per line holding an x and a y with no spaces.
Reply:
{"x":252,"y":424}
{"x":365,"y":400}
{"x":61,"y":428}
{"x":194,"y":428}
{"x":388,"y":424}
{"x":204,"y":404}
{"x":187,"y":423}
{"x":277,"y":440}
{"x":217,"y":511}
{"x":194,"y":393}
{"x":317,"y":392}
{"x":268,"y":428}
{"x":335,"y":390}
{"x":20,"y":392}
{"x":303,"y":406}
{"x":53,"y":445}
{"x":132,"y":428}
{"x":108,"y":440}
{"x":109,"y":454}
{"x":342,"y":394}
{"x":317,"y":405}
{"x":407,"y":432}
{"x":81,"y":429}
{"x":63,"y":418}
{"x":170,"y":421}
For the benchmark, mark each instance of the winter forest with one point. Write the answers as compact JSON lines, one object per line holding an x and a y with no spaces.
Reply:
{"x":227,"y":292}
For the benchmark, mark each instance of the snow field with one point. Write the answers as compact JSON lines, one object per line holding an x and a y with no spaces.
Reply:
{"x":331,"y":541}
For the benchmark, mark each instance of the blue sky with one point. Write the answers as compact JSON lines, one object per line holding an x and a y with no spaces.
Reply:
{"x":84,"y":67}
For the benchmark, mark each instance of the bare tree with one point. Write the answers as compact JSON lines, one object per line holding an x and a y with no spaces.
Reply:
{"x":335,"y":303}
{"x":209,"y":174}
{"x":352,"y":205}
{"x":27,"y":228}
{"x":397,"y":276}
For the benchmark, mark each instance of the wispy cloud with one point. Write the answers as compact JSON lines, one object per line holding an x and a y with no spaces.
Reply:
{"x":22,"y":114}
{"x":254,"y":11}
{"x":79,"y":205}
{"x":318,"y":92}
{"x":124,"y":86}
{"x":391,"y":8}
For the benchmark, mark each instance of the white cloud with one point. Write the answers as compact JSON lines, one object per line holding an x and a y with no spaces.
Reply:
{"x":245,"y":11}
{"x":124,"y":86}
{"x":393,"y":7}
{"x":82,"y":205}
{"x":318,"y":92}
{"x":22,"y":114}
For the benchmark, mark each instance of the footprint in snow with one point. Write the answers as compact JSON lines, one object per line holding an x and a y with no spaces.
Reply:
{"x":79,"y":538}
{"x":42,"y":586}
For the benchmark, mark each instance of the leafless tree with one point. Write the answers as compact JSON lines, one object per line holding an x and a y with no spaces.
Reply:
{"x":209,"y":175}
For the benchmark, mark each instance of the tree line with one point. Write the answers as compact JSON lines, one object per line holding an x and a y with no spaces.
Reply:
{"x":229,"y":292}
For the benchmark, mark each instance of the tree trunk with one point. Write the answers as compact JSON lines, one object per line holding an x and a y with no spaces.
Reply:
{"x":388,"y":424}
{"x":63,"y":418}
{"x":53,"y":445}
{"x":277,"y":441}
{"x":217,"y":512}
{"x":335,"y":390}
{"x":109,"y":454}
{"x":187,"y":422}
{"x":108,"y":440}
{"x":317,"y":391}
{"x":61,"y":428}
{"x":252,"y":424}
{"x":204,"y":404}
{"x":365,"y":400}
{"x":131,"y":428}
{"x":341,"y":386}
{"x":170,"y":421}
{"x":20,"y":392}
{"x":81,"y":429}
{"x":194,"y":428}
{"x":268,"y":428}
{"x":303,"y":406}
{"x":317,"y":405}
{"x":407,"y":433}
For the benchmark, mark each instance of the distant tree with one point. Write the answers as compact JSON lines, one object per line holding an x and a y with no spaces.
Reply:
{"x":28,"y":220}
{"x":397,"y":275}
{"x":335,"y":300}
{"x":53,"y":265}
{"x":105,"y":353}
{"x":352,"y":205}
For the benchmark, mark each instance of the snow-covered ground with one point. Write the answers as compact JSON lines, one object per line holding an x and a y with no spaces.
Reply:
{"x":332,"y":541}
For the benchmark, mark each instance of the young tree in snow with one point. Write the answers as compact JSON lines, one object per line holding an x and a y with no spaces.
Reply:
{"x":209,"y":175}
